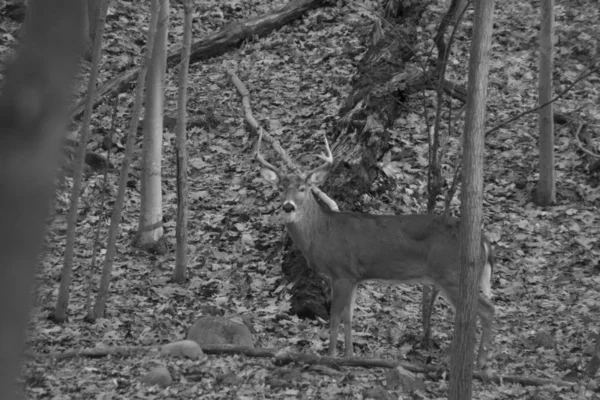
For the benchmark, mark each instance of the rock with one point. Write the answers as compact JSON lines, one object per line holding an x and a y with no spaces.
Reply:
{"x":182,"y":349}
{"x":219,"y":330}
{"x":158,"y":376}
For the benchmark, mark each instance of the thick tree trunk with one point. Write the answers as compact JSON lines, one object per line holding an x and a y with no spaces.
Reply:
{"x":360,"y":141}
{"x":35,"y":93}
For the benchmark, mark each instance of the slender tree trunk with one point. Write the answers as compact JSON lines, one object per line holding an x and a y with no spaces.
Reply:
{"x":181,"y":231}
{"x":62,"y":302}
{"x":150,"y":229}
{"x":92,"y":11}
{"x":435,"y":180}
{"x":111,"y":245}
{"x":546,"y":189}
{"x":33,"y":113}
{"x":461,"y":366}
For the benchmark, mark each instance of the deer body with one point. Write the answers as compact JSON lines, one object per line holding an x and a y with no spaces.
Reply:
{"x":350,"y":248}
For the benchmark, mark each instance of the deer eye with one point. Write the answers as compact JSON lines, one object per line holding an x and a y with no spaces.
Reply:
{"x":302,"y":189}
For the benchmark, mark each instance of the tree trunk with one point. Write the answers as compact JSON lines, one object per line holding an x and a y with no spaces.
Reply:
{"x":150,"y":229}
{"x":33,"y":109}
{"x":471,"y":205}
{"x":360,"y":141}
{"x":546,"y":189}
{"x":62,"y":301}
{"x":136,"y":112}
{"x":435,"y":179}
{"x":181,"y":232}
{"x":92,"y":11}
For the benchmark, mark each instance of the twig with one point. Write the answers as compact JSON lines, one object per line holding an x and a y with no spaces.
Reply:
{"x":590,"y":69}
{"x":98,"y":352}
{"x":580,"y":145}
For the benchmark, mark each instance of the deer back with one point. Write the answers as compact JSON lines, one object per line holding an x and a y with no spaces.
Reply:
{"x":359,"y":247}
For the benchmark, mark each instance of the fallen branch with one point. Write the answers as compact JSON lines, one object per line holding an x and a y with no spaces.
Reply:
{"x":97,"y":352}
{"x":230,"y":37}
{"x":284,"y":357}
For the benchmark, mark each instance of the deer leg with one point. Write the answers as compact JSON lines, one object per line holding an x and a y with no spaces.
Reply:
{"x":341,"y":291}
{"x":347,"y":316}
{"x":430,"y":294}
{"x":485,"y":309}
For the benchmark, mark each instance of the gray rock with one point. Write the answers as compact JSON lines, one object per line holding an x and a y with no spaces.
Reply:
{"x":219,"y":330}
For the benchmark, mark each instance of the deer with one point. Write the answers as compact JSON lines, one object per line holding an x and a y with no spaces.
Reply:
{"x":350,"y":248}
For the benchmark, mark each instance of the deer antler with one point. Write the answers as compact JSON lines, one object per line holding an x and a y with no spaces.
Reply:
{"x":245,"y":94}
{"x":260,"y":158}
{"x":328,"y":158}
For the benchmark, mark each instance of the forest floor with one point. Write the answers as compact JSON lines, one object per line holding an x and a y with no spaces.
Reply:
{"x":547,"y":271}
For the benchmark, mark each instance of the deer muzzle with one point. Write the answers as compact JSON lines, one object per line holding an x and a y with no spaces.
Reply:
{"x":289,"y":207}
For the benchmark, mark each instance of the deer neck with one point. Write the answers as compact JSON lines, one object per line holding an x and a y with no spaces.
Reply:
{"x":310,"y":224}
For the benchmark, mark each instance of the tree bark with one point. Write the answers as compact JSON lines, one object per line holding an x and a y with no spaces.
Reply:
{"x":546,"y":188}
{"x":181,"y":232}
{"x":136,"y":112}
{"x":92,"y":18}
{"x":461,"y":366}
{"x":150,"y":229}
{"x":62,"y":301}
{"x":33,"y":103}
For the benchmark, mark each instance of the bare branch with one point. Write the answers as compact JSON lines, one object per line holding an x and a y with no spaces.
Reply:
{"x":580,"y":145}
{"x":589,"y":70}
{"x":245,"y":94}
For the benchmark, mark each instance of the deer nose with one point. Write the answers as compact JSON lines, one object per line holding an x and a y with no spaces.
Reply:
{"x":289,"y":207}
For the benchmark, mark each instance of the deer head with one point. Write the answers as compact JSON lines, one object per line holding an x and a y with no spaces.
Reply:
{"x":295,"y":189}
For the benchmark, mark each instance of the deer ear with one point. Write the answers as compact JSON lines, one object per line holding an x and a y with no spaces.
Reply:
{"x":269,"y":176}
{"x":316,"y":178}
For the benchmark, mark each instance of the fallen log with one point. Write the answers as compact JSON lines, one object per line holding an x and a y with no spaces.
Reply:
{"x":286,"y":357}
